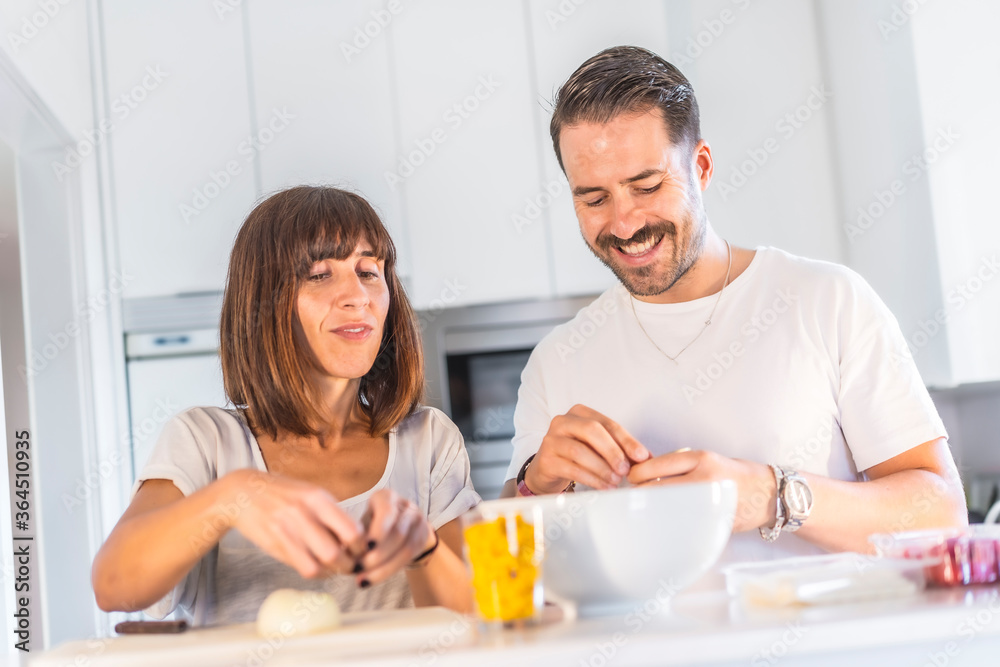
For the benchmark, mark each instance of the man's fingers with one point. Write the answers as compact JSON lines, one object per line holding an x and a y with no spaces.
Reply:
{"x":582,"y":460}
{"x":667,"y":465}
{"x":564,"y":468}
{"x":594,"y":435}
{"x":622,"y":439}
{"x":633,"y":449}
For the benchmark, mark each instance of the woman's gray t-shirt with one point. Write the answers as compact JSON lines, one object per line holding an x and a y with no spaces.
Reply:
{"x":427,"y":464}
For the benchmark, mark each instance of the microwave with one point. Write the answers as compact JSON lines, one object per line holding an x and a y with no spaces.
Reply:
{"x":474,"y":356}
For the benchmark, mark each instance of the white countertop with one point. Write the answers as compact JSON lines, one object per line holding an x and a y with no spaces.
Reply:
{"x":942,"y":628}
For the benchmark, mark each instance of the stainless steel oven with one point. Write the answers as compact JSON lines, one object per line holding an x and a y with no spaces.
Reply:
{"x":474,"y":357}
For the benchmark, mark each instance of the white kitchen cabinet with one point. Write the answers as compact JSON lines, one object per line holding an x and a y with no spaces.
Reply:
{"x":332,"y":74}
{"x":767,"y":119}
{"x":960,"y":138}
{"x":182,"y":145}
{"x":918,"y":213}
{"x":564,"y":35}
{"x":468,"y":152}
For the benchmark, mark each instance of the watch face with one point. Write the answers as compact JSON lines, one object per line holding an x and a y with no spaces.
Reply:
{"x":798,"y":497}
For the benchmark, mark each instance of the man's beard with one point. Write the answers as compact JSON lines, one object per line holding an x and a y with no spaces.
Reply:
{"x":653,"y":279}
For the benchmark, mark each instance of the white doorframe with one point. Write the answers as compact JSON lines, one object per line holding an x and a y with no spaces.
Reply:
{"x":70,"y":377}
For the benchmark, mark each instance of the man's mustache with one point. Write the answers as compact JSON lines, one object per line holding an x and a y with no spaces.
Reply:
{"x":654,"y":230}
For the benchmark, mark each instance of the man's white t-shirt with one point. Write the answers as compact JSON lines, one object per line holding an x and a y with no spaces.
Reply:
{"x":802,"y":366}
{"x":427,"y":464}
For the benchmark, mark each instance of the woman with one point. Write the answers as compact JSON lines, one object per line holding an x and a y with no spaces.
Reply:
{"x":332,"y":475}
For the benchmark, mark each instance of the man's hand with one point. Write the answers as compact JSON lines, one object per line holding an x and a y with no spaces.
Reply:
{"x":583,"y":446}
{"x":757,"y":492}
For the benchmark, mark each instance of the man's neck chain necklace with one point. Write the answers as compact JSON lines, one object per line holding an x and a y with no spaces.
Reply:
{"x":729,"y":250}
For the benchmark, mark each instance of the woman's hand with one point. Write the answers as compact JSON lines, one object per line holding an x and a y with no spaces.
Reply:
{"x":297,"y":523}
{"x":397,"y":533}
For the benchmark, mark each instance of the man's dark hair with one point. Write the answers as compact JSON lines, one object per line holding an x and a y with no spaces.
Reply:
{"x":625,"y":80}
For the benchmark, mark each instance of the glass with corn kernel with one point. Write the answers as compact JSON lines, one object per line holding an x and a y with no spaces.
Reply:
{"x":504,"y":546}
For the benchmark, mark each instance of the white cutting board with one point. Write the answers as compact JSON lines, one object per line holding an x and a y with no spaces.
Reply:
{"x":403,"y":634}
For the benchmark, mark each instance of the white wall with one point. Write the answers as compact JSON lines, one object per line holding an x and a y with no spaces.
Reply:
{"x":50,"y":47}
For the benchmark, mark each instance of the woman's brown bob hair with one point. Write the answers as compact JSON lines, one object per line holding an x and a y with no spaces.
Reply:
{"x":264,"y":367}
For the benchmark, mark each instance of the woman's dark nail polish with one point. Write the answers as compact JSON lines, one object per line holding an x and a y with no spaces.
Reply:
{"x":358,"y":567}
{"x":371,"y":544}
{"x":365,"y":583}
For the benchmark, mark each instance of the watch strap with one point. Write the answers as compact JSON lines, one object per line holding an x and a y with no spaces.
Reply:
{"x":771,"y":534}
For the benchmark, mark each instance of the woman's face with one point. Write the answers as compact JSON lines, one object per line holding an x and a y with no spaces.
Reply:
{"x":341,"y":309}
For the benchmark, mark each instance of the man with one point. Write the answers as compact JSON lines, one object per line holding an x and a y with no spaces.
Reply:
{"x":712,"y":362}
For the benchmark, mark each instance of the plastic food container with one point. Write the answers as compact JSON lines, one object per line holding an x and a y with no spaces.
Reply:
{"x":505,"y":548}
{"x":823,"y":579}
{"x":951,"y":557}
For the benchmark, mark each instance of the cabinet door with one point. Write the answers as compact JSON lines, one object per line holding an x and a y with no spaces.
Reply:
{"x":468,"y":156}
{"x":765,"y":111}
{"x":564,"y":35}
{"x":962,"y":178}
{"x":181,"y":144}
{"x":331,"y":72}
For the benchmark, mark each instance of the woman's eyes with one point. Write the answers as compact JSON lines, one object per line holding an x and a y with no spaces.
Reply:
{"x":366,"y":275}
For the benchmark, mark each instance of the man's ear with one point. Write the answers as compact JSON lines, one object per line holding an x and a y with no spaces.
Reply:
{"x":704,"y":165}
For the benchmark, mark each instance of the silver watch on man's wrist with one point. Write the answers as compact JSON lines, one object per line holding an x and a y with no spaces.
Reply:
{"x":796,"y":498}
{"x":793,"y":504}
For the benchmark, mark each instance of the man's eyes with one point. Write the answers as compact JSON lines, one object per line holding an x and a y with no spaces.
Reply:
{"x":643,"y":191}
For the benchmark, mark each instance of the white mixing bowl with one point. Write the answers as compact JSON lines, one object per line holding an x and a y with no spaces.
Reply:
{"x":607,"y":551}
